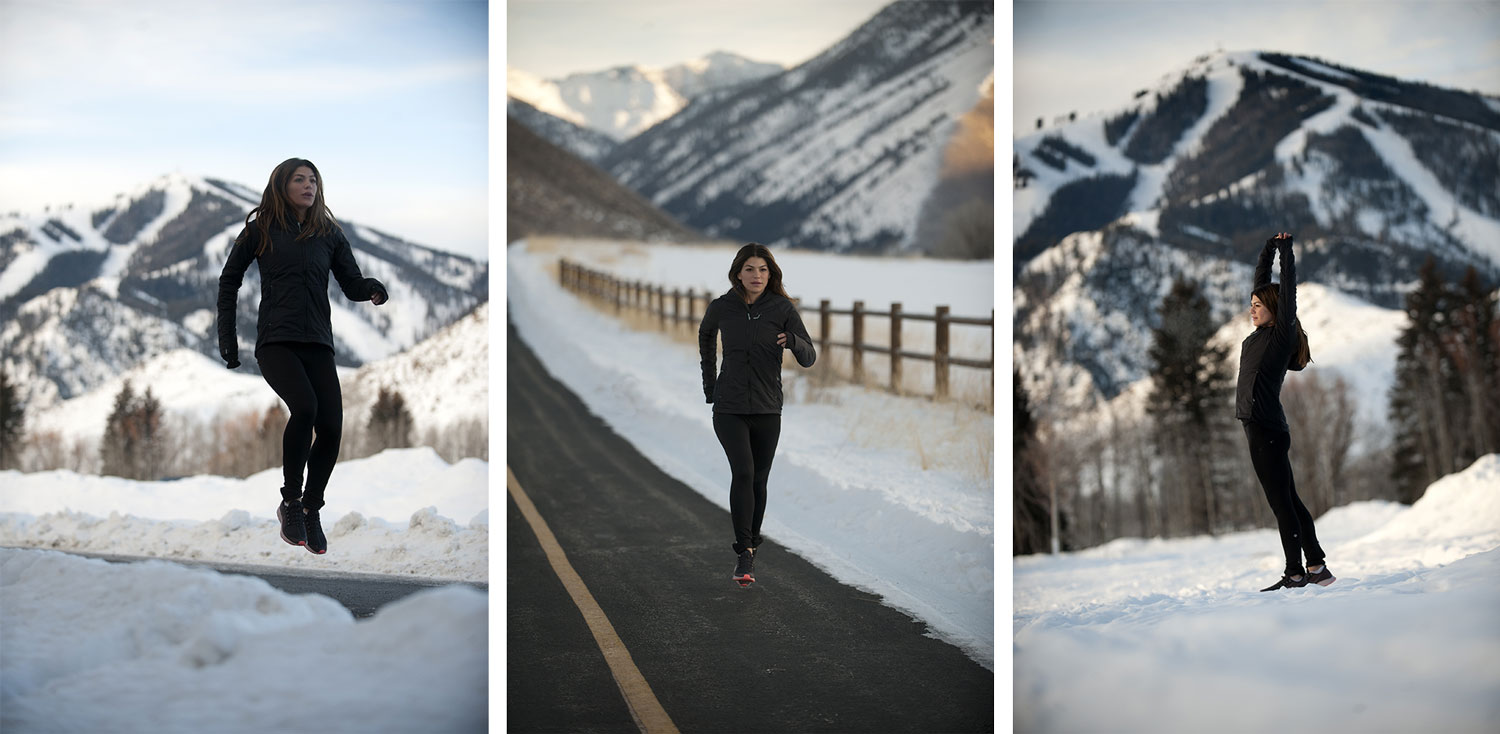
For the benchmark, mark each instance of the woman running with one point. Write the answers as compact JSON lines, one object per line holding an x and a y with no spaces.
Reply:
{"x":1277,"y":345}
{"x":757,"y":322}
{"x":296,"y":242}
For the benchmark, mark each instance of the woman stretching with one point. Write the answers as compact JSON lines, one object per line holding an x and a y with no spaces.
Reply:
{"x":296,"y":243}
{"x":1277,"y":345}
{"x":757,"y":321}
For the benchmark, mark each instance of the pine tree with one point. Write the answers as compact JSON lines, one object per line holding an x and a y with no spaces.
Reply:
{"x":1478,"y":365}
{"x":12,"y":422}
{"x":390,"y":423}
{"x":1030,"y":507}
{"x":118,"y":444}
{"x":1187,"y":403}
{"x":1428,"y":406}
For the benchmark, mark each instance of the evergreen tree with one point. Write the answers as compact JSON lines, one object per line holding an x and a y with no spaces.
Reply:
{"x":1030,"y":507}
{"x":1427,"y":406}
{"x":133,"y":446}
{"x":12,"y":422}
{"x":390,"y":423}
{"x":1187,"y":404}
{"x":1478,"y":363}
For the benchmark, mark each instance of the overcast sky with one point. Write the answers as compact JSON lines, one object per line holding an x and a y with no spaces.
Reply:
{"x":387,"y":97}
{"x":554,"y":38}
{"x":1089,"y":56}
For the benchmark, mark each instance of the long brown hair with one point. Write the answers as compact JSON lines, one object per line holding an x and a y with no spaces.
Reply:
{"x":1268,"y":295}
{"x":276,"y":209}
{"x":756,"y":250}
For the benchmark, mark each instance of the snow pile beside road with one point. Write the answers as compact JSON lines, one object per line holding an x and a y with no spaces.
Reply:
{"x":1172,"y":635}
{"x":387,"y":514}
{"x":866,"y":512}
{"x":93,"y":646}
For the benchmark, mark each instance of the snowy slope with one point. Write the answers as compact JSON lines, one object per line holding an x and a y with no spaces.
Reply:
{"x":1173,"y":635}
{"x":219,"y":643}
{"x":836,"y":154}
{"x":894,"y":495}
{"x":625,"y":100}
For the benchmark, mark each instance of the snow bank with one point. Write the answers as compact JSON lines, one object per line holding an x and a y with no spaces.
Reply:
{"x":93,"y":646}
{"x":862,"y":510}
{"x":1172,"y":635}
{"x":233,"y":520}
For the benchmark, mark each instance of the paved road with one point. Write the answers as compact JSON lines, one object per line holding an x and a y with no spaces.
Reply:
{"x":360,"y":593}
{"x":797,"y":651}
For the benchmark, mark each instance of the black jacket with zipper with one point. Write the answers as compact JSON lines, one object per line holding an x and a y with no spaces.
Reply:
{"x":1266,"y":355}
{"x":750,"y":382}
{"x":293,"y":286}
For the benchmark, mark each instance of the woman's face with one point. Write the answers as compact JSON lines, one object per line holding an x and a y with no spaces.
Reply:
{"x":302,"y":189}
{"x":754,"y":275}
{"x":1259,"y":314}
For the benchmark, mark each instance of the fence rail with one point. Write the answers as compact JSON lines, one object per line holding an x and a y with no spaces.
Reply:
{"x":672,"y":307}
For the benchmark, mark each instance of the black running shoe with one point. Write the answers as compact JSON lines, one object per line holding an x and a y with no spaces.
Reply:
{"x":744,"y":571}
{"x":1323,"y":577}
{"x":293,"y":530}
{"x":1286,"y":582}
{"x":317,"y":542}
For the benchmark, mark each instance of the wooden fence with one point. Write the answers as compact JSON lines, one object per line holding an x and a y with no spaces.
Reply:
{"x":672,"y":307}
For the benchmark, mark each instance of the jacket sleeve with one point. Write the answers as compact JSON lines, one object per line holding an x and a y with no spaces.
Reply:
{"x":230,"y":279}
{"x":798,"y":341}
{"x":1263,"y":265}
{"x":355,"y":285}
{"x":1285,"y":329}
{"x":708,"y":333}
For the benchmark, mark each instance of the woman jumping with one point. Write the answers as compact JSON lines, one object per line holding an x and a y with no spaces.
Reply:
{"x":1277,"y":345}
{"x":296,"y":242}
{"x":757,"y":321}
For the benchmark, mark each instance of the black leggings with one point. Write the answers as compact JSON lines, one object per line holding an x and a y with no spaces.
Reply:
{"x":750,"y":444}
{"x":1269,"y":451}
{"x":305,"y":378}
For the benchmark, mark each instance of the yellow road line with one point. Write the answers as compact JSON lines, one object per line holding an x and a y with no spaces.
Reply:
{"x":644,"y":708}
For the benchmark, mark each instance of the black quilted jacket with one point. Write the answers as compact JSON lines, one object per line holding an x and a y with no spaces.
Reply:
{"x":750,"y":381}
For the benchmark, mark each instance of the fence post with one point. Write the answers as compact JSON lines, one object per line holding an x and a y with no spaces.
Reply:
{"x":823,"y":327}
{"x":896,"y":348}
{"x":562,"y":273}
{"x":619,"y":294}
{"x":661,"y":303}
{"x":676,"y":307}
{"x":859,"y":337}
{"x":940,"y":354}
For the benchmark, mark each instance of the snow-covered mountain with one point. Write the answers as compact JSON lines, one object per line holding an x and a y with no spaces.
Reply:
{"x":839,"y":153}
{"x":550,"y":191}
{"x":86,"y":296}
{"x":1188,"y":179}
{"x":590,"y":145}
{"x":623,"y":101}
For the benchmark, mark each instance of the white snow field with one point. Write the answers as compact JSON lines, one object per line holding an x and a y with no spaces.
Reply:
{"x":849,"y":491}
{"x":91,"y":646}
{"x":388,"y":513}
{"x":1174,"y":636}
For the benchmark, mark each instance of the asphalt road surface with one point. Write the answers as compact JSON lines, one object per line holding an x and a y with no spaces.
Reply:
{"x":796,"y":651}
{"x":362,"y":594}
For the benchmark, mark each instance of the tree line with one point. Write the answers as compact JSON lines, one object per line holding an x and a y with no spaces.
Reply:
{"x":1181,"y":468}
{"x":142,"y":441}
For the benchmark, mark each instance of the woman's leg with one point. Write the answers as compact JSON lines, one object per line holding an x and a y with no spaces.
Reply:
{"x":765,"y":431}
{"x":1310,"y":547}
{"x":284,"y":372}
{"x":329,"y":427}
{"x":1268,"y":454}
{"x":734,"y":435}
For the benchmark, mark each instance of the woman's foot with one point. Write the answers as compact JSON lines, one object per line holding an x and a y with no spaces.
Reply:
{"x":317,"y":542}
{"x":1288,"y":582}
{"x":744,"y":570}
{"x":1321,"y":577}
{"x":293,"y":529}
